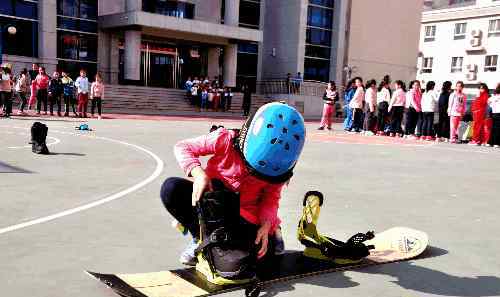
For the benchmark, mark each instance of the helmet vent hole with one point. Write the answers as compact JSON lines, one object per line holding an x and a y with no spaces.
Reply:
{"x":280,"y":116}
{"x":273,"y":141}
{"x":269,"y":126}
{"x":262,"y":163}
{"x":285,"y":130}
{"x":287,"y":146}
{"x":294,"y":122}
{"x":297,"y":137}
{"x":276,"y":168}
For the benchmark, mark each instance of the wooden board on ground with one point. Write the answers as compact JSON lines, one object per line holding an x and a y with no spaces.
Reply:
{"x":393,"y":245}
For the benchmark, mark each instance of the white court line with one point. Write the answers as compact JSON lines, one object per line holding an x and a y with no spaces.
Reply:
{"x":56,"y":141}
{"x":158,"y":170}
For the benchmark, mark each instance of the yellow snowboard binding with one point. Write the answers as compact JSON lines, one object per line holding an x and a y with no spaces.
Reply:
{"x":325,"y":248}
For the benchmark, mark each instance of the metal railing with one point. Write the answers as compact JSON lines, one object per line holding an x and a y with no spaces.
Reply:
{"x":292,"y":86}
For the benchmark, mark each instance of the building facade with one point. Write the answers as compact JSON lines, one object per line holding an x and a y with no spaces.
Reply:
{"x":460,"y":41}
{"x":160,"y":43}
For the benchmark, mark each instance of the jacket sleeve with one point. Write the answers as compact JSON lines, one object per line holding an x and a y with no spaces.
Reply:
{"x":188,"y":152}
{"x":269,"y":204}
{"x":450,"y":102}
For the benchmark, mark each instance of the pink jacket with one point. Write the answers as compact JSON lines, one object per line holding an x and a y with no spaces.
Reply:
{"x":358,"y":98}
{"x":398,"y":98}
{"x":259,"y":200}
{"x":97,"y":90}
{"x":457,"y":104}
{"x":415,"y":97}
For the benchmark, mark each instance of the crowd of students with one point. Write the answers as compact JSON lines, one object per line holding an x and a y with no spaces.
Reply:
{"x":418,"y":114}
{"x":45,"y":91}
{"x":208,"y":94}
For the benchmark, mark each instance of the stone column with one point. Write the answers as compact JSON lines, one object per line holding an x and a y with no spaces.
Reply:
{"x":47,"y":34}
{"x":103,"y":44}
{"x":232,"y":12}
{"x":230,"y":60}
{"x":133,"y":5}
{"x":213,"y":62}
{"x":132,"y":55}
{"x":114,"y":59}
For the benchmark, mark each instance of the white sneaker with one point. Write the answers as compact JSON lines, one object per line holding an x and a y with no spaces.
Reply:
{"x":188,"y":256}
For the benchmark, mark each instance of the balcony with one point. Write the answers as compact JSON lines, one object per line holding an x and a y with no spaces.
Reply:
{"x":430,"y":5}
{"x":177,"y":9}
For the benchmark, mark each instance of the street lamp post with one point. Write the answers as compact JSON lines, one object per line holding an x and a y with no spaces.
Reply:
{"x":11,"y":30}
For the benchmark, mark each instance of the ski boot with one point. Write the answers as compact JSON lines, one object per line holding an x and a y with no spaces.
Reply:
{"x":324,"y":248}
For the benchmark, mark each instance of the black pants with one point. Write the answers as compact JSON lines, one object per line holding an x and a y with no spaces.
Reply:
{"x":6,"y":99}
{"x":22,"y":100}
{"x":96,"y":101}
{"x":382,"y":115}
{"x":68,"y":100}
{"x":370,"y":121}
{"x":357,"y":122}
{"x":176,"y":194}
{"x":55,"y":99}
{"x":412,"y":117}
{"x":443,"y":130}
{"x":396,"y":119}
{"x":41,"y":97}
{"x":495,"y":130}
{"x":428,"y":123}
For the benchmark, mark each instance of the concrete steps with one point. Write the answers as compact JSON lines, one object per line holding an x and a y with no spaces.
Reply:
{"x":157,"y":101}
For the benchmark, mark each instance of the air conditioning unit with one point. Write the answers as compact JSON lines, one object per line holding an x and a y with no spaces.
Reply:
{"x":471,"y":67}
{"x":475,"y":42}
{"x":471,"y":76}
{"x":476,"y":33}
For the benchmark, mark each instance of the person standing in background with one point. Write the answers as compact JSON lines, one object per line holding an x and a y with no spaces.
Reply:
{"x":21,"y":90}
{"x":329,"y":98}
{"x":443,"y":130}
{"x":494,"y":103}
{"x":356,"y":105}
{"x":383,"y":99}
{"x":429,"y":107}
{"x":479,"y":108}
{"x":370,"y":123}
{"x":55,"y":91}
{"x":97,"y":95}
{"x":68,"y":94}
{"x":348,"y":94}
{"x":396,"y":108}
{"x":32,"y":75}
{"x":6,"y":90}
{"x":41,"y":83}
{"x":247,"y":99}
{"x":414,"y":111}
{"x":456,"y":110}
{"x":82,"y":85}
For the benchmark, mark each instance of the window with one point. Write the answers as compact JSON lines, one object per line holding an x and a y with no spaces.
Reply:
{"x":246,"y":67}
{"x":177,"y":9}
{"x":427,"y":65}
{"x":430,"y":33}
{"x":317,"y":51}
{"x":19,"y":8}
{"x":490,"y":63}
{"x":318,"y":36}
{"x":249,"y":14}
{"x":316,"y":69}
{"x":326,"y":3}
{"x":494,"y":28}
{"x":83,"y":9}
{"x":319,"y":17}
{"x":460,"y":31}
{"x":456,"y":64}
{"x":75,"y":46}
{"x":24,"y":42}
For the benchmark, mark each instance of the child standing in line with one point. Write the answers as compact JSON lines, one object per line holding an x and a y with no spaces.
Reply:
{"x":21,"y":90}
{"x":414,"y":111}
{"x":33,"y":73}
{"x":204,"y":99}
{"x":494,"y":102}
{"x":348,"y":94}
{"x":383,"y":99}
{"x":396,"y":108}
{"x":42,"y":83}
{"x":429,"y":107}
{"x":97,"y":94}
{"x":6,"y":90}
{"x":229,"y":97}
{"x":443,"y":130}
{"x":356,"y":105}
{"x":456,"y":110}
{"x":82,"y":85}
{"x":68,"y":94}
{"x":370,"y":107}
{"x":479,"y":108}
{"x":55,"y":91}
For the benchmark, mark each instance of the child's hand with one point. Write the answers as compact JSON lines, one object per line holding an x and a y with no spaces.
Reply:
{"x":201,"y":183}
{"x":263,"y":239}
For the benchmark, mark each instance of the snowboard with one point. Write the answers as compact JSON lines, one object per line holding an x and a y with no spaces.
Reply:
{"x":393,"y":245}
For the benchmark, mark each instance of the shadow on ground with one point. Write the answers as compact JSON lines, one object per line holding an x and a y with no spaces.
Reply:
{"x":6,"y":168}
{"x":408,"y":275}
{"x":67,"y":154}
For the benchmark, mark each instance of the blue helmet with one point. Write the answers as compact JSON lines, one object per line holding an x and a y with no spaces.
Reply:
{"x":272,"y":140}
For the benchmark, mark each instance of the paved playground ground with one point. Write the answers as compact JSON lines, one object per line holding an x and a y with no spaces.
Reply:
{"x":93,"y":204}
